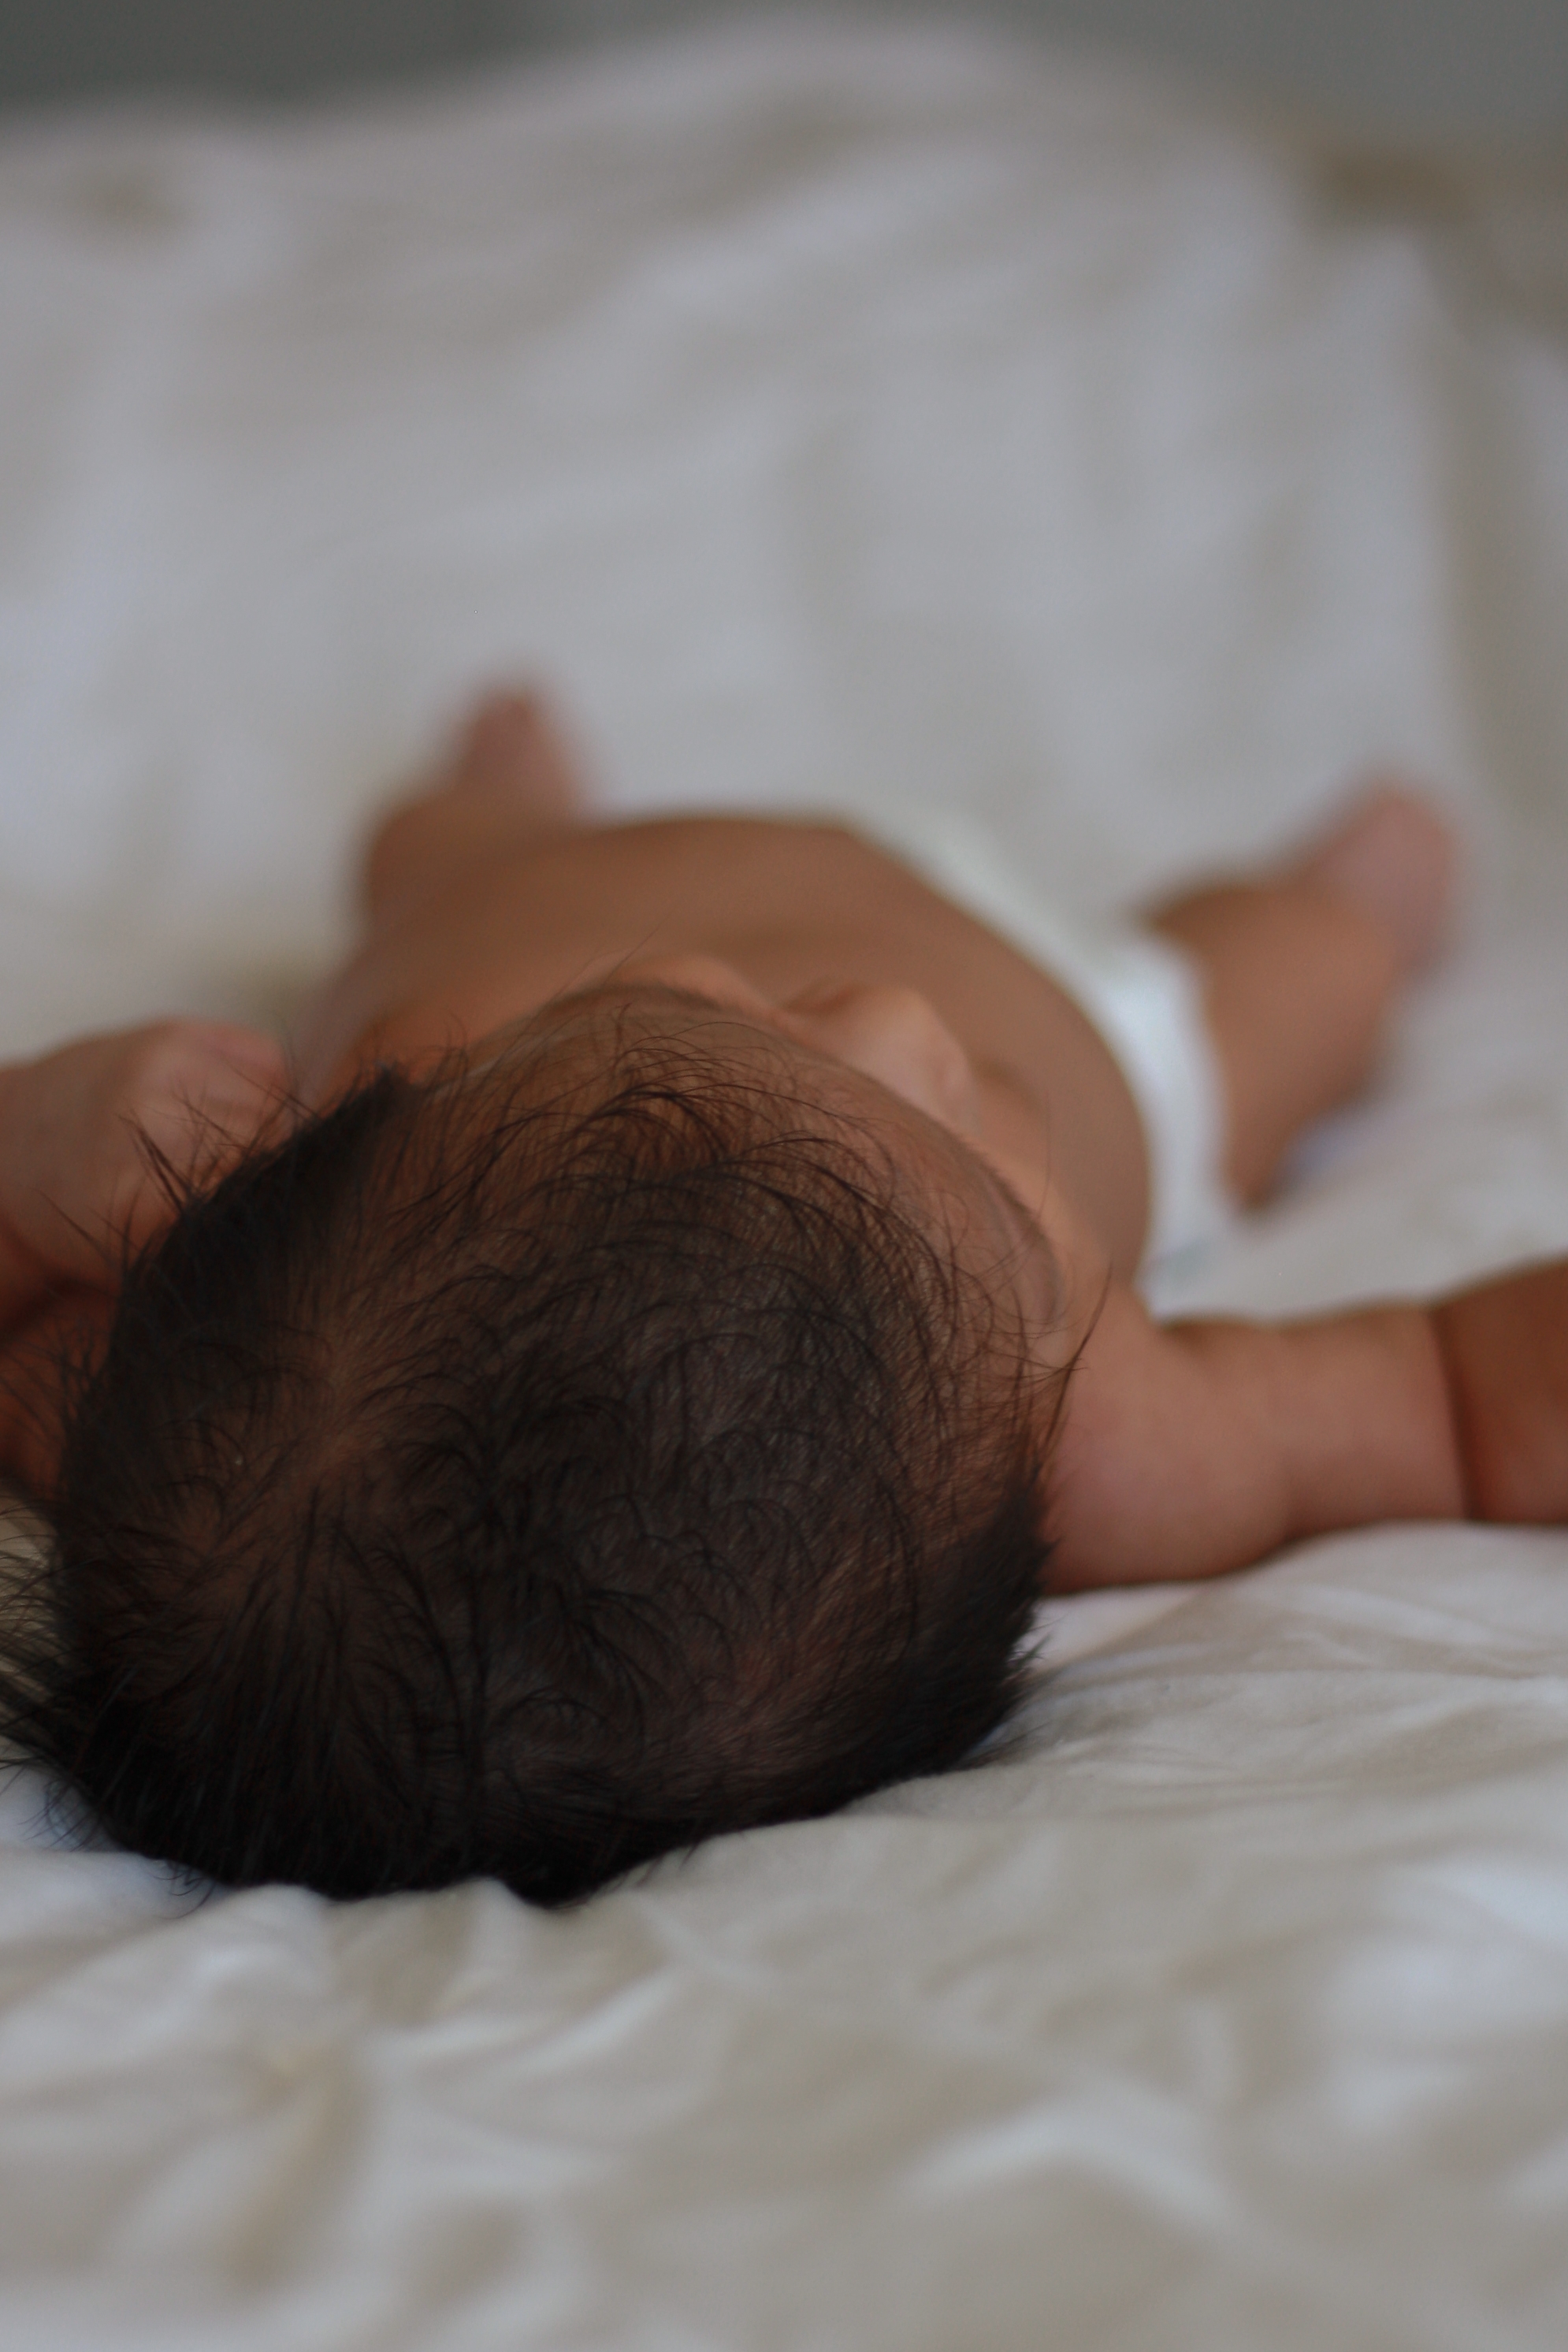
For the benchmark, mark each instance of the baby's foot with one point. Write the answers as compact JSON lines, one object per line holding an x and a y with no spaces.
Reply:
{"x":511,"y":752}
{"x":1395,"y":859}
{"x":509,"y":774}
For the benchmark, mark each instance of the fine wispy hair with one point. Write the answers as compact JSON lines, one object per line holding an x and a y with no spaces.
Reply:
{"x":522,"y":1477}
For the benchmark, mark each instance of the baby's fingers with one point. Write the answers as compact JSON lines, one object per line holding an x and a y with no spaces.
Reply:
{"x":35,"y":1361}
{"x":201,"y":1093}
{"x":195,"y":1099}
{"x":101,"y":1136}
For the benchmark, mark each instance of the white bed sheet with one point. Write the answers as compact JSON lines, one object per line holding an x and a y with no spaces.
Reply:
{"x":828,"y":414}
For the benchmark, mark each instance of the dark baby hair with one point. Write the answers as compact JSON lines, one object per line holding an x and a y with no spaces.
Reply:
{"x":516,"y":1476}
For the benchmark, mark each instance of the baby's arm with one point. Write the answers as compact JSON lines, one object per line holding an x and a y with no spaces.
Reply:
{"x":77,"y":1187}
{"x":1196,"y":1446}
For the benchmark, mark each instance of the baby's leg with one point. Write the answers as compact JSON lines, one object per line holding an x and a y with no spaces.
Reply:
{"x":1302,"y":965}
{"x":510,"y":776}
{"x":508,"y":781}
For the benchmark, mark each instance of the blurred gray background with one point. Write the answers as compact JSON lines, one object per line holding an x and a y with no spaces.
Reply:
{"x":1485,"y":68}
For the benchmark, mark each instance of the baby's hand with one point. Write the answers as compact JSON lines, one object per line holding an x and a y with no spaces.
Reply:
{"x":78,"y":1186}
{"x":77,"y":1181}
{"x":1505,"y":1349}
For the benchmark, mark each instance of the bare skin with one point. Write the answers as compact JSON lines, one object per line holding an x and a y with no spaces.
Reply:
{"x":500,"y":919}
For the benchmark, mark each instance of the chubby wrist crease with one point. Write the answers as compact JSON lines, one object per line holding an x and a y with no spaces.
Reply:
{"x":1460,"y":1444}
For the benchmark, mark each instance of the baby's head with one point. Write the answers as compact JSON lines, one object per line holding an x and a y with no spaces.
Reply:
{"x":622,"y":1437}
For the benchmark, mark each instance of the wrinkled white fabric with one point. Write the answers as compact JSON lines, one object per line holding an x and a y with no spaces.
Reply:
{"x":827,"y":413}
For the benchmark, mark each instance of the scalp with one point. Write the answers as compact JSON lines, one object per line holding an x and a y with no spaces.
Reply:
{"x":525,"y":1479}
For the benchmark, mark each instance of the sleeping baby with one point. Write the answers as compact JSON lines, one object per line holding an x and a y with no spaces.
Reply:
{"x":635,"y":1373}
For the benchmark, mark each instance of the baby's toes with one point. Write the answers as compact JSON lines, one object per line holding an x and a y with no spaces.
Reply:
{"x":1395,"y":857}
{"x":509,"y":774}
{"x":513,"y":750}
